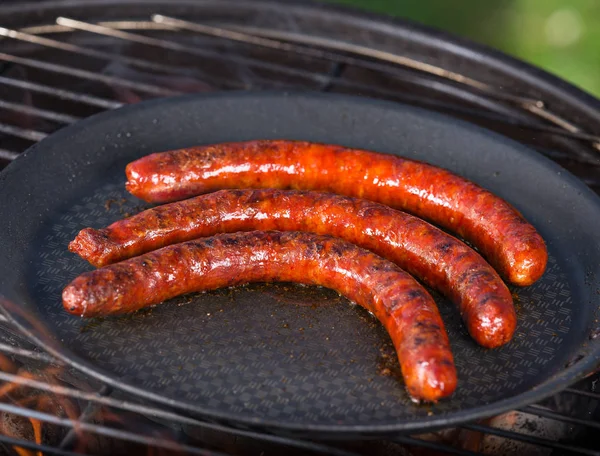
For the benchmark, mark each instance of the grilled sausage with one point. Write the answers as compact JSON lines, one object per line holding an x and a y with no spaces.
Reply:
{"x":438,"y":259}
{"x":512,"y":245}
{"x":401,"y":304}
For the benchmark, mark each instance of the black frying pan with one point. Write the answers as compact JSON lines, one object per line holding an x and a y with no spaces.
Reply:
{"x":284,"y":357}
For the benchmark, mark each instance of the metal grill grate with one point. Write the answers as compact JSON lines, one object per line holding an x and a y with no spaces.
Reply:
{"x":53,"y":75}
{"x":101,"y":397}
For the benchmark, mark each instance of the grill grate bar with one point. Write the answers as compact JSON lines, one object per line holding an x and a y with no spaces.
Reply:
{"x":557,"y":120}
{"x":8,"y":155}
{"x":88,"y":75}
{"x":477,"y":113}
{"x":174,"y":46}
{"x":39,"y":356}
{"x":541,"y":411}
{"x":530,"y":439}
{"x":97,"y":398}
{"x":42,"y":113}
{"x":73,"y":48}
{"x":436,"y":446}
{"x":576,"y":134}
{"x":88,"y":413}
{"x":101,"y":398}
{"x":504,"y":117}
{"x":162,"y":443}
{"x":61,"y":93}
{"x":24,"y":133}
{"x":106,"y":431}
{"x":55,"y":44}
{"x":43,"y":449}
{"x":589,"y":394}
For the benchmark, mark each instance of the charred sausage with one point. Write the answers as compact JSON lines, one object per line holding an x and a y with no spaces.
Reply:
{"x":402,"y":305}
{"x":505,"y":238}
{"x":438,"y":259}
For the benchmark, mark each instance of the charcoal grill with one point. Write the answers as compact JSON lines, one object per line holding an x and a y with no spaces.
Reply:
{"x":62,"y":61}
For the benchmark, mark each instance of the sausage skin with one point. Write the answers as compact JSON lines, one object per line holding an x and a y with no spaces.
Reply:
{"x":505,"y":238}
{"x":403,"y":306}
{"x":438,"y":259}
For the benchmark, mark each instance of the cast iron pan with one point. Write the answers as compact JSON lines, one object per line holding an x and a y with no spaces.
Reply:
{"x":283,"y":357}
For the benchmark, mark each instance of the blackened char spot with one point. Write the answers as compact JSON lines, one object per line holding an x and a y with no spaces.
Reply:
{"x":406,"y":298}
{"x":482,"y":301}
{"x":255,"y":196}
{"x":478,"y":276}
{"x":370,"y":211}
{"x":160,"y":217}
{"x":311,"y":249}
{"x":419,"y":341}
{"x":339,"y":248}
{"x":460,"y":257}
{"x":427,"y":326}
{"x":444,"y":246}
{"x":520,"y":220}
{"x":235,"y":192}
{"x":415,"y":293}
{"x":123,"y":274}
{"x":229,"y":241}
{"x":383,"y":266}
{"x":471,"y":276}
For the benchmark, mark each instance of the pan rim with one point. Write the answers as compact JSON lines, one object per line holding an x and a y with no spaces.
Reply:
{"x":549,"y":387}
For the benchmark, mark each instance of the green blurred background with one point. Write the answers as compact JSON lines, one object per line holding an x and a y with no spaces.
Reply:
{"x":561,"y":36}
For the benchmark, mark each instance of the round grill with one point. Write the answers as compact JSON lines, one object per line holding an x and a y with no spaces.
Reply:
{"x":63,"y":61}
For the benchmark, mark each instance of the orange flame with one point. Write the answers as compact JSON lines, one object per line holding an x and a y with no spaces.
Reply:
{"x":43,"y":402}
{"x":51,"y":401}
{"x":37,"y":432}
{"x":21,"y":395}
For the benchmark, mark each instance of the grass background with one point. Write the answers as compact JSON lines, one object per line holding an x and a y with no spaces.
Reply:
{"x":561,"y":36}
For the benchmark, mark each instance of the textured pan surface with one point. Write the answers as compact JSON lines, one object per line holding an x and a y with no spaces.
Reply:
{"x":283,"y":356}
